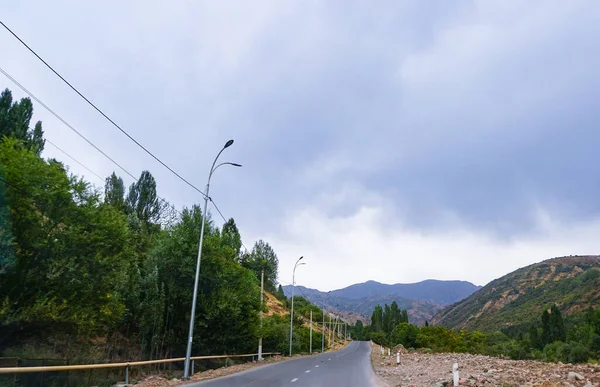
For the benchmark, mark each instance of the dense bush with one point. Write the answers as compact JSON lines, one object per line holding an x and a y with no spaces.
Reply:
{"x":574,"y":340}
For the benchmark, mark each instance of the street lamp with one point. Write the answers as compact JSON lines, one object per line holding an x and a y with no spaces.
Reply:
{"x":292,"y":313}
{"x":188,"y":354}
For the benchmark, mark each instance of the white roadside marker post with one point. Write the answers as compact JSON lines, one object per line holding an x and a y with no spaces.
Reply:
{"x":455,"y":372}
{"x":398,"y":359}
{"x":388,"y":352}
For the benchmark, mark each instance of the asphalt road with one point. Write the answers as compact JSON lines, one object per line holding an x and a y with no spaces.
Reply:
{"x":349,"y":367}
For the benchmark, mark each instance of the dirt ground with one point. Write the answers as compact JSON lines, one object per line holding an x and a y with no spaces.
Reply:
{"x":421,"y":369}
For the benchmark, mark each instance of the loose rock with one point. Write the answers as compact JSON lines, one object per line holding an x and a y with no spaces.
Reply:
{"x":421,"y":369}
{"x":574,"y":376}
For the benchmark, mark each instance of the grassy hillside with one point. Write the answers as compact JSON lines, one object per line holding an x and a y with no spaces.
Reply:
{"x":572,"y":283}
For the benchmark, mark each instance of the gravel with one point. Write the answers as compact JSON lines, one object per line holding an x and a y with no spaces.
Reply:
{"x":421,"y":369}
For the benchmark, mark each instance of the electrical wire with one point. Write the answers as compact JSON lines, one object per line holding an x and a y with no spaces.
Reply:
{"x":224,"y":220}
{"x":34,"y":97}
{"x":102,"y":179}
{"x":64,"y":122}
{"x":51,"y":111}
{"x":72,"y":158}
{"x":100,"y":111}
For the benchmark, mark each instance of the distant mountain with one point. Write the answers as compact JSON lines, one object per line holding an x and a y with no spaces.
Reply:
{"x":422,"y":299}
{"x":572,"y":283}
{"x":435,"y":291}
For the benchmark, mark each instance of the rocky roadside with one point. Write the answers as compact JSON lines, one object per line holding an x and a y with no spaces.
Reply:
{"x":421,"y":369}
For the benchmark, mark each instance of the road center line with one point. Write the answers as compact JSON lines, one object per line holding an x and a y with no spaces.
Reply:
{"x":317,"y":366}
{"x":307,"y":371}
{"x":293,"y":380}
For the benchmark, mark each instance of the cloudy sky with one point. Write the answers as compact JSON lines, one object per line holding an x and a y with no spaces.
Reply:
{"x":392,"y":140}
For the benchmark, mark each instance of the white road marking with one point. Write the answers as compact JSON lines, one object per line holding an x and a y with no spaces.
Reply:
{"x":317,"y":366}
{"x":293,"y":380}
{"x":329,"y":359}
{"x":307,"y":371}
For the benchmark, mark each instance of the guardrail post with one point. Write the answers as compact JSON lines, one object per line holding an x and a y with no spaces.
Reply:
{"x":127,"y":375}
{"x":193,"y":368}
{"x":226,"y":362}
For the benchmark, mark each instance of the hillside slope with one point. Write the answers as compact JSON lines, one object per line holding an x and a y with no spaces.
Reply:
{"x":572,"y":283}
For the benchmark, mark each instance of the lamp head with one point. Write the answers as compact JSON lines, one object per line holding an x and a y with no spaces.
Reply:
{"x":228,"y":144}
{"x":236,"y":164}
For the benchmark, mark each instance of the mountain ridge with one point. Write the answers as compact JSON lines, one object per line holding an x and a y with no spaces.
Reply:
{"x":421,"y":299}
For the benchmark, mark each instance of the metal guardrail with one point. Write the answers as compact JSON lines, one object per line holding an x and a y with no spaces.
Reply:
{"x":126,"y":365}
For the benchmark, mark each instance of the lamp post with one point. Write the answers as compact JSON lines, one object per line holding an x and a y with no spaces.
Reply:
{"x":186,"y":369}
{"x":292,"y":313}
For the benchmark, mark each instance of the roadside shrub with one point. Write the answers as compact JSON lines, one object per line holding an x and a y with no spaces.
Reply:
{"x":553,"y":351}
{"x":427,"y":350}
{"x":406,"y":334}
{"x":576,"y":353}
{"x":595,"y":344}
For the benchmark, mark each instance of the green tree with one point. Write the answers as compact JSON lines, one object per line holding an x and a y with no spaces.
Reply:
{"x":406,"y":334}
{"x":280,"y":294}
{"x":387,"y":320}
{"x":15,"y":119}
{"x":438,"y":338}
{"x":547,"y":337}
{"x":377,"y":319}
{"x":357,"y":331}
{"x":143,"y":201}
{"x":232,"y":239}
{"x":476,"y":342}
{"x":228,"y":294}
{"x":534,"y":337}
{"x":70,"y":248}
{"x":395,"y":315}
{"x":7,"y":257}
{"x":405,"y":316}
{"x":262,"y":257}
{"x":114,"y":192}
{"x":557,"y":325}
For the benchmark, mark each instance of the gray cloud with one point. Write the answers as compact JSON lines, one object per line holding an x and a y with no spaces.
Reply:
{"x":470,"y":113}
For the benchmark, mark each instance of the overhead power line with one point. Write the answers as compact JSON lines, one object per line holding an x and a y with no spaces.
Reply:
{"x":25,"y":90}
{"x":100,"y":111}
{"x":101,"y":178}
{"x":77,"y":132}
{"x":74,"y":159}
{"x":63,"y":121}
{"x":34,"y":97}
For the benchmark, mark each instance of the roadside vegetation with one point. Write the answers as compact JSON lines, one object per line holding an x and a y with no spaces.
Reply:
{"x":106,"y":274}
{"x":550,"y":337}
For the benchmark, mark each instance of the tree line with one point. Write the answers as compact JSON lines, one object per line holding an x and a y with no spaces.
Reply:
{"x":550,"y":337}
{"x":82,"y":267}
